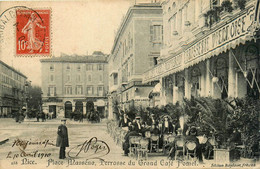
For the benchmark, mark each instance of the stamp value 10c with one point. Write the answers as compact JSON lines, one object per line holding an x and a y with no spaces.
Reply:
{"x":33,"y":32}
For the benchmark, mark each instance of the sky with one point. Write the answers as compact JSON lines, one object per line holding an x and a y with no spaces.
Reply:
{"x":79,"y":27}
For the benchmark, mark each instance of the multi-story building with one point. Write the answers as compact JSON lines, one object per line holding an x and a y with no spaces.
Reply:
{"x":12,"y":90}
{"x":208,"y":50}
{"x":75,"y":83}
{"x":136,"y":49}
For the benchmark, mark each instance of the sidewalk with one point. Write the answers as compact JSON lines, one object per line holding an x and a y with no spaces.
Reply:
{"x":8,"y":126}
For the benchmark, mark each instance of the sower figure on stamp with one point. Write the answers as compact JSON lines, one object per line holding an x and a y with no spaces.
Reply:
{"x":62,"y":139}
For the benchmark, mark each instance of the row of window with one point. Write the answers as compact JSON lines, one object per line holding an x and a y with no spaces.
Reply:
{"x":6,"y":89}
{"x":89,"y":67}
{"x":10,"y":73}
{"x":78,"y":90}
{"x":9,"y":81}
{"x":78,"y":78}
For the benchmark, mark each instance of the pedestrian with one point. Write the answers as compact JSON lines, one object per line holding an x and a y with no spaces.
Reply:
{"x":62,"y":139}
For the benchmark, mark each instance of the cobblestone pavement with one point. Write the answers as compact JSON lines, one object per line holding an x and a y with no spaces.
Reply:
{"x":44,"y":154}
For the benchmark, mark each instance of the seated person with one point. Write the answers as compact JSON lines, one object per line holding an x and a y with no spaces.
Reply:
{"x":124,"y":122}
{"x":151,"y":120}
{"x":234,"y":141}
{"x":154,"y":130}
{"x":172,"y":146}
{"x":192,"y":137}
{"x":126,"y":144}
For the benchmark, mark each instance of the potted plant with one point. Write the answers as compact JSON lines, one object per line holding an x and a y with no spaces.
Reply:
{"x":241,"y":4}
{"x":212,"y":16}
{"x":226,"y":6}
{"x":226,"y":9}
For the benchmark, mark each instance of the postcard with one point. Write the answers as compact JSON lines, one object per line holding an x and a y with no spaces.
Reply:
{"x":129,"y":84}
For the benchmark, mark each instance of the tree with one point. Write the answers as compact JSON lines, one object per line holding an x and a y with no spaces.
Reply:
{"x":34,"y":100}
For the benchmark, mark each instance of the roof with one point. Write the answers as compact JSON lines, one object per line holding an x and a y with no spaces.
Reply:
{"x":140,"y":6}
{"x":96,"y":57}
{"x":13,"y":69}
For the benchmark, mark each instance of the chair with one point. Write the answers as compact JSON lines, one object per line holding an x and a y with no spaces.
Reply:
{"x":147,"y":134}
{"x":202,"y":139}
{"x":133,"y":144}
{"x":179,"y":147}
{"x":142,"y":149}
{"x":190,"y":149}
{"x":154,"y":143}
{"x":166,"y":141}
{"x":213,"y":143}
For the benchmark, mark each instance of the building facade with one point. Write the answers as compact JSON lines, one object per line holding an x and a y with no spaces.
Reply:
{"x":12,"y":90}
{"x":136,"y":49}
{"x":208,"y":51}
{"x":75,"y":83}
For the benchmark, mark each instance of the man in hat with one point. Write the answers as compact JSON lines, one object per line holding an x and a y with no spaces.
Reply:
{"x":124,"y":122}
{"x":167,"y":126}
{"x":137,"y":125}
{"x":62,"y":139}
{"x":151,"y":120}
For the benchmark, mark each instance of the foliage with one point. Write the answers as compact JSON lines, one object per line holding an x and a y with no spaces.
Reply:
{"x":116,"y":109}
{"x":212,"y":16}
{"x":241,"y":4}
{"x":245,"y":119}
{"x":227,"y":6}
{"x":34,"y":100}
{"x":223,"y":117}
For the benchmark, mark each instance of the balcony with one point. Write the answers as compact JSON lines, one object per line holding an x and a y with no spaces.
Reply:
{"x":113,"y":88}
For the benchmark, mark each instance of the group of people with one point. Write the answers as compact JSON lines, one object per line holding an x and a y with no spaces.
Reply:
{"x":160,"y":127}
{"x":20,"y":115}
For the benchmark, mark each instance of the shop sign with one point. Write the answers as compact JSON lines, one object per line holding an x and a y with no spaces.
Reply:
{"x":223,"y":35}
{"x":167,"y":66}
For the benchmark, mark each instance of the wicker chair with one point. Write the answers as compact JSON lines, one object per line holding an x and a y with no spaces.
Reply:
{"x":134,"y":141}
{"x":142,"y":149}
{"x":166,"y":141}
{"x":212,"y":142}
{"x":147,"y":134}
{"x":154,"y":143}
{"x":179,"y":147}
{"x":190,"y":149}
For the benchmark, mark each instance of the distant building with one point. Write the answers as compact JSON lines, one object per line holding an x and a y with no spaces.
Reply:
{"x":135,"y":50}
{"x":12,"y":90}
{"x":75,"y":83}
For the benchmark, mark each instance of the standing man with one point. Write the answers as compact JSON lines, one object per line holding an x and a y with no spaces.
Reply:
{"x":62,"y":139}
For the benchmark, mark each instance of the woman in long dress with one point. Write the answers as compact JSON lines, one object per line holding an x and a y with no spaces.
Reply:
{"x":33,"y":43}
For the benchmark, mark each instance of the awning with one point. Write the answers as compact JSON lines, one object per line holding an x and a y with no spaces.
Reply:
{"x":156,"y":90}
{"x":99,"y":103}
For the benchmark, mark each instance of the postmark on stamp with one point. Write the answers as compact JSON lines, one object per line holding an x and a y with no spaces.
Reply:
{"x":33,"y":32}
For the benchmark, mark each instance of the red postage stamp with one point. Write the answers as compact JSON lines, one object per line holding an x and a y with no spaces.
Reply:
{"x":33,"y":32}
